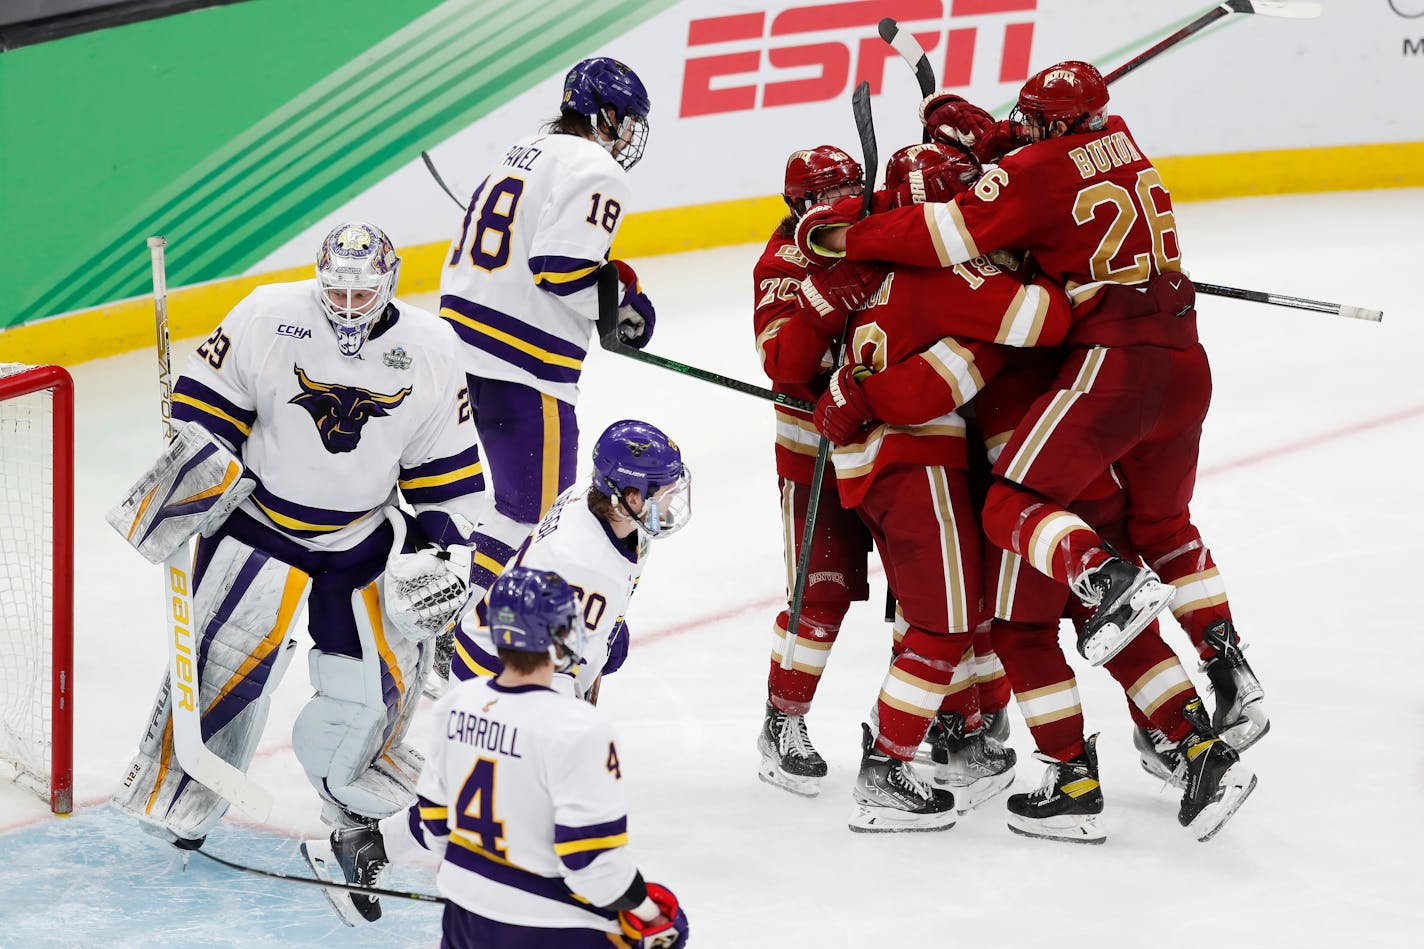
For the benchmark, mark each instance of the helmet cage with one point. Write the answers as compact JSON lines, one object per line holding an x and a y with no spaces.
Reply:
{"x":355,"y":257}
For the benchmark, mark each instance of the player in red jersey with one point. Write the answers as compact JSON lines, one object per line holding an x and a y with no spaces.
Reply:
{"x":794,"y":340}
{"x":918,"y":350}
{"x":1027,"y":605}
{"x":1092,"y":210}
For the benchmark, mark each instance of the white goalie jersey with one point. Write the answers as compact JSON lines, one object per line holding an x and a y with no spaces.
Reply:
{"x":328,"y":437}
{"x":520,"y":281}
{"x":523,"y":794}
{"x":603,"y":570}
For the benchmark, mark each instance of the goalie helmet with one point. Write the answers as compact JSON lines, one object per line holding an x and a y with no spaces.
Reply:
{"x":1072,"y":92}
{"x":356,"y":275}
{"x":905,"y":173}
{"x":638,"y":456}
{"x":819,"y":175}
{"x":599,"y":84}
{"x":536,"y":611}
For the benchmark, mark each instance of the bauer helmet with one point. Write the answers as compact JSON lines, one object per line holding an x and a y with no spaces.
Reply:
{"x":536,"y":611}
{"x":819,"y":175}
{"x":597,"y":85}
{"x":905,"y":172}
{"x":638,"y":456}
{"x":1072,"y":92}
{"x":356,"y":275}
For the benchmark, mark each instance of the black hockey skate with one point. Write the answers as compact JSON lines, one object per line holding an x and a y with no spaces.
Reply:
{"x":1239,"y":718}
{"x":788,"y":759}
{"x":351,"y":855}
{"x":890,"y":797}
{"x":996,"y":725}
{"x":973,"y":765}
{"x":1217,"y":782}
{"x":1160,"y":757}
{"x":1126,"y":598}
{"x":1068,"y":805}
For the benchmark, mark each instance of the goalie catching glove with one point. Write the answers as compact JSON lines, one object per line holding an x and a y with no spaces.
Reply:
{"x":424,"y":590}
{"x":191,"y":489}
{"x":659,"y":923}
{"x":635,"y":310}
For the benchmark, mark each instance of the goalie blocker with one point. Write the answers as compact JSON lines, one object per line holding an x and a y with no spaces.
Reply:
{"x":191,"y":489}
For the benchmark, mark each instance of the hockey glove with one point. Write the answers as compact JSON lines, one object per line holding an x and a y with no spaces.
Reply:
{"x":665,"y":930}
{"x":635,"y":310}
{"x":832,"y":293}
{"x":192,"y":488}
{"x":844,"y":212}
{"x":426,"y":589}
{"x":617,"y":649}
{"x":951,"y":120}
{"x":843,"y":413}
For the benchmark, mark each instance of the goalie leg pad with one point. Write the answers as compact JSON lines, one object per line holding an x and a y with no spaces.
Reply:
{"x":350,"y":737}
{"x":245,"y":608}
{"x":192,"y":488}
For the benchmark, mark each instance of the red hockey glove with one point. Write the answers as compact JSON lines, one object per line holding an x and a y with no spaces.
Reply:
{"x":667,"y":929}
{"x":832,"y":293}
{"x":635,"y":310}
{"x":951,"y":120}
{"x":844,"y":212}
{"x":843,"y":412}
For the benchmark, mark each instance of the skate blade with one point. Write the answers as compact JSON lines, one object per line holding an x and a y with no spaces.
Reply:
{"x":969,"y":796}
{"x":869,"y":819}
{"x":801,"y":786}
{"x":1082,"y":830}
{"x":322,"y":860}
{"x":1214,"y":816}
{"x":1245,"y":733}
{"x":1170,"y":778}
{"x":1146,"y":601}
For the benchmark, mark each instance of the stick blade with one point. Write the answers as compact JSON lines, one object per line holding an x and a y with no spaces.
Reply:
{"x":1284,"y":9}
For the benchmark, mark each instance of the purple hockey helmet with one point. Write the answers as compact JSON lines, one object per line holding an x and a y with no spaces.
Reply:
{"x":602,"y":83}
{"x":536,"y":611}
{"x":633,"y":454}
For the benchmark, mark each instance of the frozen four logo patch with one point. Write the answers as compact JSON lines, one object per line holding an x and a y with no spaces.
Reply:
{"x":397,"y":358}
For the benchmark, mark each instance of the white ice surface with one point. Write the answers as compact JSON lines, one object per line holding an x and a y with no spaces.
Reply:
{"x":1307,"y":496}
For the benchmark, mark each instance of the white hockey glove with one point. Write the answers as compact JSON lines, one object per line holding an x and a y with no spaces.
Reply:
{"x":192,"y":488}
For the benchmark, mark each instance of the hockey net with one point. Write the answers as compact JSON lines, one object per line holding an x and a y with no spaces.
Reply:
{"x":36,"y":580}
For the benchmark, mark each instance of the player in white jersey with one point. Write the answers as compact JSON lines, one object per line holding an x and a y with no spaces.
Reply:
{"x":306,"y":414}
{"x":520,"y":289}
{"x":597,"y":538}
{"x":522,"y":799}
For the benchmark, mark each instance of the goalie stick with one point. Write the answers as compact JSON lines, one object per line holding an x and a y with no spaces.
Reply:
{"x":329,"y":884}
{"x":197,"y":761}
{"x":865,"y":127}
{"x":608,"y":338}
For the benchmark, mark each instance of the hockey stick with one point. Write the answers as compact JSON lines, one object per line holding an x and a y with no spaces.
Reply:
{"x":913,"y":53}
{"x":1286,"y":9}
{"x":865,"y":127}
{"x":330,"y":884}
{"x":608,"y":292}
{"x":197,"y":761}
{"x":430,"y":167}
{"x":1299,"y":303}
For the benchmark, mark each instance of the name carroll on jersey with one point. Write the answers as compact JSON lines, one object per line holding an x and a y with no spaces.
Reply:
{"x":480,"y":732}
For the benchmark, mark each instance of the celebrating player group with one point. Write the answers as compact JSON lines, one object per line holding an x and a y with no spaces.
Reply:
{"x":1015,"y":426}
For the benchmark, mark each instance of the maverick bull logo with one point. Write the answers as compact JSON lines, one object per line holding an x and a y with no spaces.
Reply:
{"x":340,"y":412}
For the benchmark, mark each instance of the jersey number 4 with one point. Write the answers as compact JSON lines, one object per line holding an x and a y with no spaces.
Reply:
{"x":475,"y":808}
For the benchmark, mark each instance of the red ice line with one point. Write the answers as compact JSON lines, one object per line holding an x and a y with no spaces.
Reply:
{"x":768,"y":602}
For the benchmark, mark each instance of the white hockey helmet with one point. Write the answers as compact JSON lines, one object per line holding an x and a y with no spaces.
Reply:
{"x":356,"y":274}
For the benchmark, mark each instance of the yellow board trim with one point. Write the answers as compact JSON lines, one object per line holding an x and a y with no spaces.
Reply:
{"x":127,"y":325}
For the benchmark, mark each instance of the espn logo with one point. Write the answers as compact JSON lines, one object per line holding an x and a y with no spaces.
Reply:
{"x":729,"y":79}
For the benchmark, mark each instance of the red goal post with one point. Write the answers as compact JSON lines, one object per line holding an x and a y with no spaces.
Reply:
{"x":37,"y":580}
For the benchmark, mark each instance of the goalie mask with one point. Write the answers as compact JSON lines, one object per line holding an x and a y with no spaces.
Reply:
{"x":613,"y":99}
{"x":1071,"y":92}
{"x":638,"y":456}
{"x":536,"y":611}
{"x":356,"y":275}
{"x":818,"y":176}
